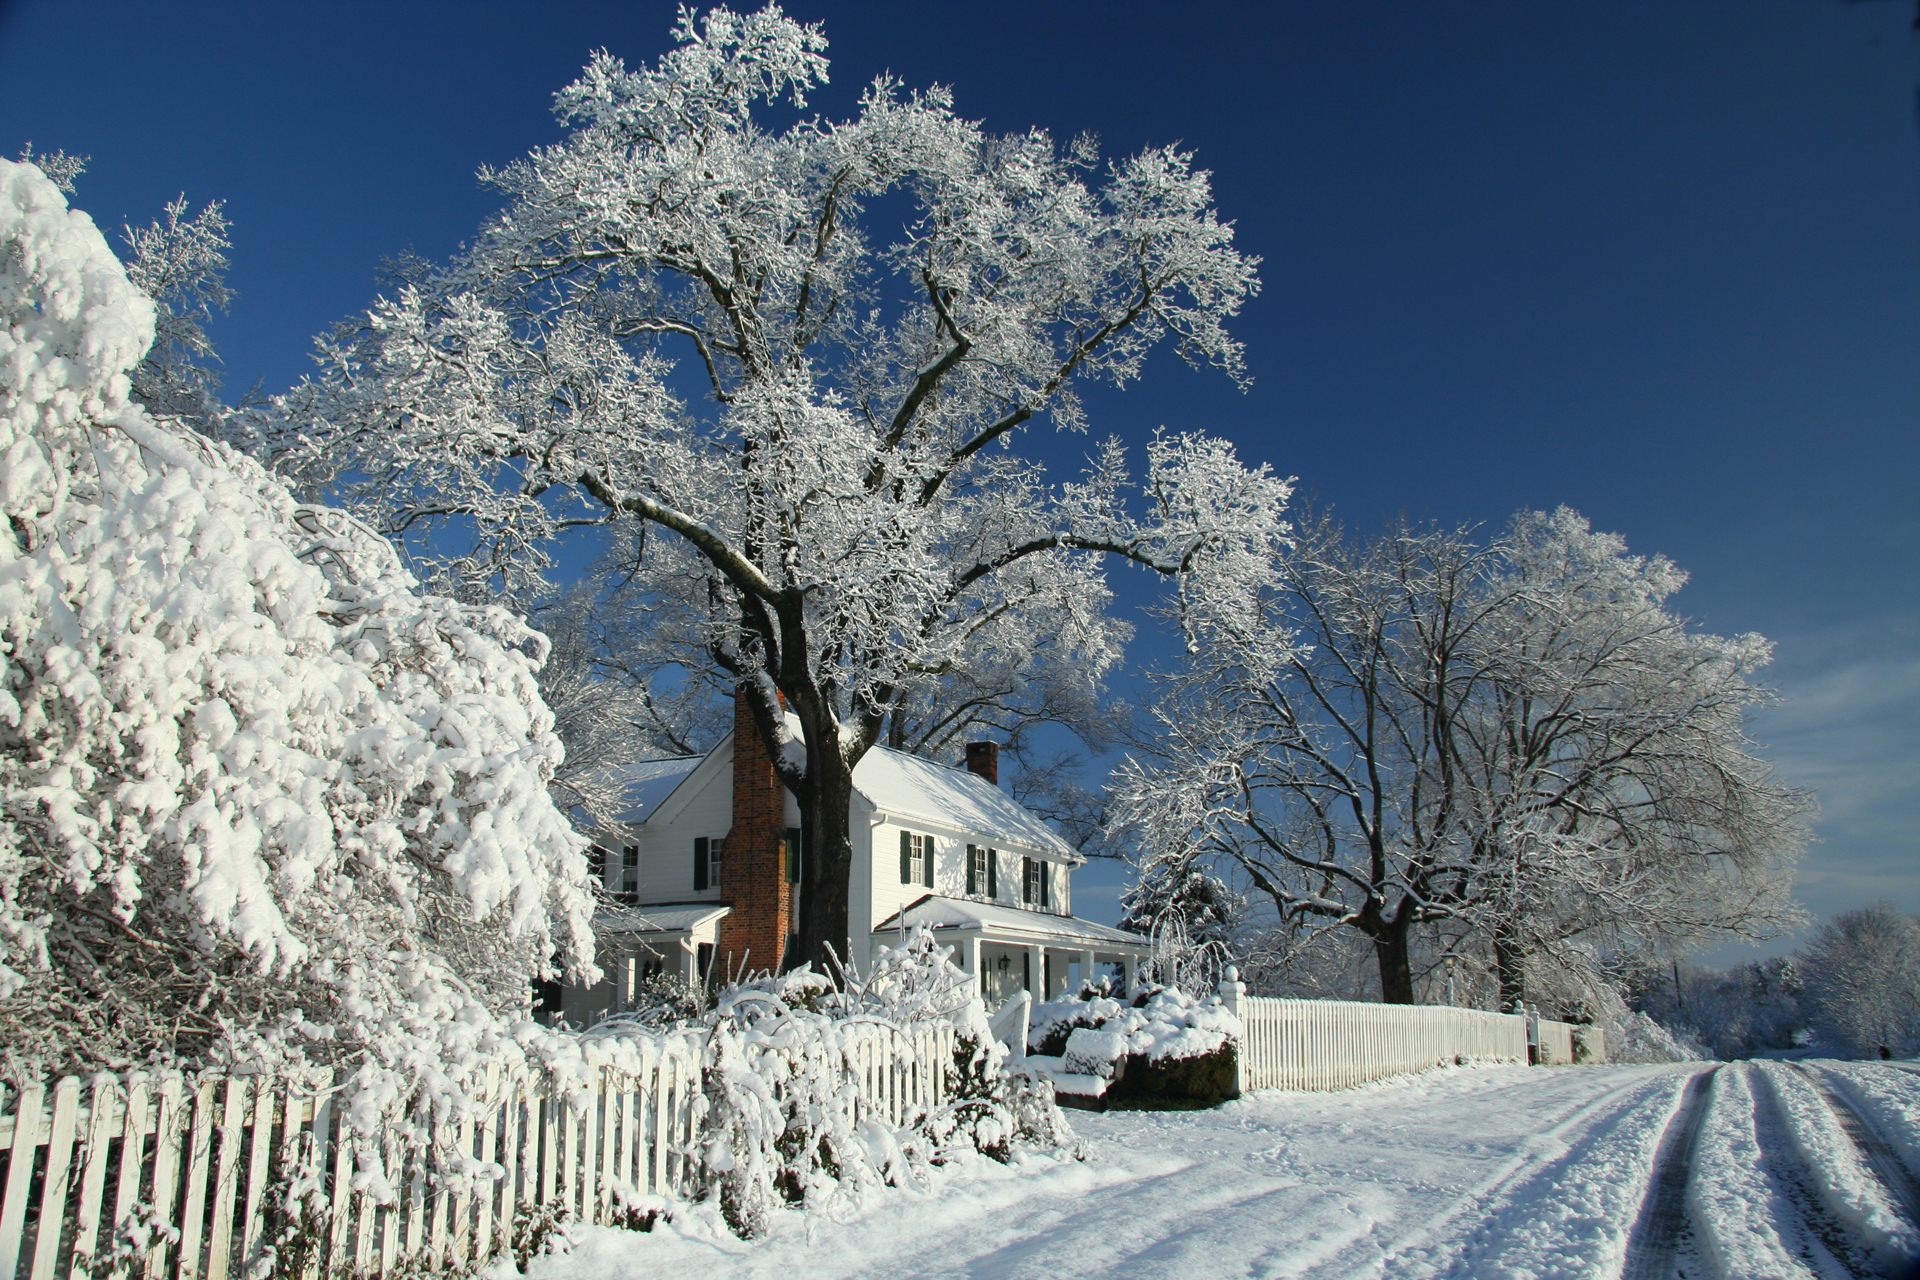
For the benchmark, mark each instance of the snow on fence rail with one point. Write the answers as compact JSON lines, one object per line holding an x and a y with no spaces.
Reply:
{"x":187,"y":1178}
{"x":1336,"y":1044}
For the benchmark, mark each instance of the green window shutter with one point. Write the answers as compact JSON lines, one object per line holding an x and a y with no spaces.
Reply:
{"x":1045,"y":876}
{"x":926,"y":858}
{"x":993,"y":873}
{"x":699,"y":864}
{"x":973,"y":880}
{"x":793,"y":855}
{"x":906,"y":857}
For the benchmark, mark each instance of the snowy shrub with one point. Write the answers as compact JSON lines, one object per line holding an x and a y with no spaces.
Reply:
{"x":1163,"y":1043}
{"x":782,"y":1120}
{"x":1635,"y":1037}
{"x":264,"y":799}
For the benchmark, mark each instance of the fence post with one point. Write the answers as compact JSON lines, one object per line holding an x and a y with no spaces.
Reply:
{"x":1232,"y":993}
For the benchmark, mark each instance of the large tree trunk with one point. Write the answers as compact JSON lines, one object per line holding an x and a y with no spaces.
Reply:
{"x":1510,"y":964}
{"x":825,"y":932}
{"x":1390,"y":950}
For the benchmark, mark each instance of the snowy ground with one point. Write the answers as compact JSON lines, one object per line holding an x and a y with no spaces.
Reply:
{"x":1506,"y":1172}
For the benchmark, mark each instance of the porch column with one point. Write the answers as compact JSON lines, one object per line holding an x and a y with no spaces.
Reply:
{"x":1086,"y":966}
{"x":973,"y":964}
{"x":1037,"y":973}
{"x":689,"y":962}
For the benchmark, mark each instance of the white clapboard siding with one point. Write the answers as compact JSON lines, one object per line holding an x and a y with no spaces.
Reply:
{"x":1336,"y":1044}
{"x":183,"y":1178}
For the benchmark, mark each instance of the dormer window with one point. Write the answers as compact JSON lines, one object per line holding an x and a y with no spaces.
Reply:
{"x":916,"y":859}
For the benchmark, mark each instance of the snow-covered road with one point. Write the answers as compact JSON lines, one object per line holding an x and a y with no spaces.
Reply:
{"x":1497,"y":1173}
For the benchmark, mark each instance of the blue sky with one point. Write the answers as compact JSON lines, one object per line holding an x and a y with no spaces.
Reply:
{"x":1657,"y":261}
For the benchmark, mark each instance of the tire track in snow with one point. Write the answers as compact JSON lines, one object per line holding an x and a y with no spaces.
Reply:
{"x":1828,"y":1244}
{"x":1653,"y":1250}
{"x":1438,"y":1247}
{"x":1903,"y":1191}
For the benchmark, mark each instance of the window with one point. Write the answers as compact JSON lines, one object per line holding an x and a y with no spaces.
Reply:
{"x":630,"y":868}
{"x":597,"y":865}
{"x":707,"y":854}
{"x":981,"y":870}
{"x":916,"y":859}
{"x":1033,"y":889}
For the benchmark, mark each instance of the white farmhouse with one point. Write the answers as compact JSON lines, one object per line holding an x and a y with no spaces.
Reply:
{"x":709,"y":874}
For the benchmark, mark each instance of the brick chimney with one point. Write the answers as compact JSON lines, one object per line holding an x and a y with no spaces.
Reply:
{"x":753,"y":877}
{"x":983,"y":758}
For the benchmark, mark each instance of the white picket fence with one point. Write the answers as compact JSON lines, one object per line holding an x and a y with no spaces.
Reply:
{"x":1336,"y":1044}
{"x":166,"y":1177}
{"x":1553,"y":1042}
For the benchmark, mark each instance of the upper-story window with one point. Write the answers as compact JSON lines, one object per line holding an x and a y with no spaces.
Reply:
{"x":708,"y":854}
{"x":916,"y":859}
{"x":1033,"y":886}
{"x":983,"y":872}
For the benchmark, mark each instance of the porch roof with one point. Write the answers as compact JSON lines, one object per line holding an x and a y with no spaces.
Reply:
{"x":1013,"y":924}
{"x":677,"y":917}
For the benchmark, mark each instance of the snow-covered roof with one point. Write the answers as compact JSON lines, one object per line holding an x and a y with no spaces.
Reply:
{"x":895,"y":784}
{"x":648,"y":782}
{"x":991,"y":917}
{"x":907,"y":787}
{"x":678,"y":918}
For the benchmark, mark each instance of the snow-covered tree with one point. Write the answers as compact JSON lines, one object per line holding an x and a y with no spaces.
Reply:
{"x":1861,"y":973}
{"x":180,"y":261}
{"x":1515,"y":739}
{"x":1731,"y":1014}
{"x":871,"y":309}
{"x":260,"y":797}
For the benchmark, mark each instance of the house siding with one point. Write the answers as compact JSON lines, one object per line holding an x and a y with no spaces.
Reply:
{"x":888,"y":895}
{"x":702,"y":806}
{"x":705,"y":809}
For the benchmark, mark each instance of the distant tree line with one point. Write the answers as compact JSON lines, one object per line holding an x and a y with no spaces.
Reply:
{"x":1852,"y":991}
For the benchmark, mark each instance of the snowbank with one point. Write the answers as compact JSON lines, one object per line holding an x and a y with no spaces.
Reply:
{"x":1638,"y":1038}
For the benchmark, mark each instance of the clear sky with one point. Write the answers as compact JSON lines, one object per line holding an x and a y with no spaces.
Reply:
{"x":1654,"y":260}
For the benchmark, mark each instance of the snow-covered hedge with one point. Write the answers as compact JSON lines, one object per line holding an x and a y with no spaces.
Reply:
{"x":1159,"y":1043}
{"x":261,"y":798}
{"x":782,"y":1121}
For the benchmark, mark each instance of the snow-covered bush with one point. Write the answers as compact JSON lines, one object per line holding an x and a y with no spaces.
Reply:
{"x":1638,"y":1038}
{"x":783,"y":1121}
{"x":1161,"y":1043}
{"x":263,"y":798}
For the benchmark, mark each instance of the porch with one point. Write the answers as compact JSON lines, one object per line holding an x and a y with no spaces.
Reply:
{"x":1009,"y":949}
{"x":634,"y":944}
